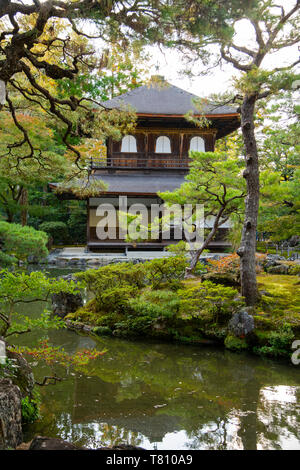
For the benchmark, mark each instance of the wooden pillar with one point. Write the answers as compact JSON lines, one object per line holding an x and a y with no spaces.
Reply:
{"x":181,"y":147}
{"x":146,"y":149}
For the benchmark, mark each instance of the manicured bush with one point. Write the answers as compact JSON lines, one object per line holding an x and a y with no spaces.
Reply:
{"x":209,"y":302}
{"x":57,"y":230}
{"x":155,"y":304}
{"x":294,"y":270}
{"x":166,"y":272}
{"x":113,"y":285}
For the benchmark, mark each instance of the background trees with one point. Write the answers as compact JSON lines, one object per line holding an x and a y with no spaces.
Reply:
{"x":50,"y":64}
{"x":48,"y":50}
{"x":275,"y":27}
{"x":214,"y":181}
{"x":48,"y":56}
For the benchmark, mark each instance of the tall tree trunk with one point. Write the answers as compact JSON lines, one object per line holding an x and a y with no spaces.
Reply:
{"x":10,"y":216}
{"x":251,"y":174}
{"x":23,"y":203}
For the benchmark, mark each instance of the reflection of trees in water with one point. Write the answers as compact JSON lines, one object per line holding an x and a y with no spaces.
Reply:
{"x":279,"y":420}
{"x":112,"y":435}
{"x":213,"y":395}
{"x":95,"y":435}
{"x":215,"y":436}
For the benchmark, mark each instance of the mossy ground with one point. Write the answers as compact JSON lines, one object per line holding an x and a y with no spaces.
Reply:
{"x":282,"y":306}
{"x":277,"y":319}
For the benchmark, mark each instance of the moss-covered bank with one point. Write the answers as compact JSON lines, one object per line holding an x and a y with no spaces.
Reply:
{"x":153,"y":300}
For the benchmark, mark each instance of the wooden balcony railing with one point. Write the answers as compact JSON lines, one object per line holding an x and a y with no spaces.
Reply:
{"x":137,"y":161}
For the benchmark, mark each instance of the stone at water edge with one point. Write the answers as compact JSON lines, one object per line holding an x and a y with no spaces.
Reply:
{"x":64,"y":303}
{"x":10,"y":415}
{"x":241,"y":324}
{"x":52,"y":443}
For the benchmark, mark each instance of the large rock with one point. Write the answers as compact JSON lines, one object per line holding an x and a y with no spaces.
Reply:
{"x":51,"y":443}
{"x":294,"y":240}
{"x":64,"y":303}
{"x":10,"y":415}
{"x":280,"y":269}
{"x":272,"y":260}
{"x":227,"y":279}
{"x":23,"y":375}
{"x":241,"y":324}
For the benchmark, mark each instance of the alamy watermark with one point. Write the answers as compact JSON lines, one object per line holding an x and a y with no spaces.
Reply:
{"x":140,"y":222}
{"x":2,"y":352}
{"x":296,"y":355}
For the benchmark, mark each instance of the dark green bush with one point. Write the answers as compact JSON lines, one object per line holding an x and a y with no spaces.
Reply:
{"x":57,"y":230}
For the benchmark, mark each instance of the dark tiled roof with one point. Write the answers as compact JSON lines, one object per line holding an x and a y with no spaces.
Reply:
{"x":137,"y":183}
{"x":164,"y":98}
{"x":141,"y":183}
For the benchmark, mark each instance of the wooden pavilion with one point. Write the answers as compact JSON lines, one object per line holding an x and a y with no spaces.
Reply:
{"x":156,"y":157}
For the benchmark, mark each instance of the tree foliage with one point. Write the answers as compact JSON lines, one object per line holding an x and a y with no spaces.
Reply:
{"x":215,"y":182}
{"x":19,"y":287}
{"x":18,"y":243}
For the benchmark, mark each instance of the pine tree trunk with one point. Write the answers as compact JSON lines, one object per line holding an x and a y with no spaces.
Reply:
{"x":247,"y":249}
{"x":195,"y":254}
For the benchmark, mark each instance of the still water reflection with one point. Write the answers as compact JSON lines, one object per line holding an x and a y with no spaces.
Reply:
{"x":168,"y":396}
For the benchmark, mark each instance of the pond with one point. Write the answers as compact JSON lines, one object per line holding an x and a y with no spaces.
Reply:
{"x":167,"y":396}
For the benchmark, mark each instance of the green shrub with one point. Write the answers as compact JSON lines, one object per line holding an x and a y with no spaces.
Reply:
{"x":166,"y":273}
{"x":178,"y":249}
{"x":113,"y":285}
{"x":102,"y":331}
{"x":235,"y":344}
{"x":278,"y":343}
{"x":209,"y":302}
{"x":155,"y":304}
{"x":200,"y":269}
{"x":57,"y":230}
{"x":30,"y":410}
{"x":18,"y":243}
{"x":294,"y":270}
{"x":147,"y":309}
